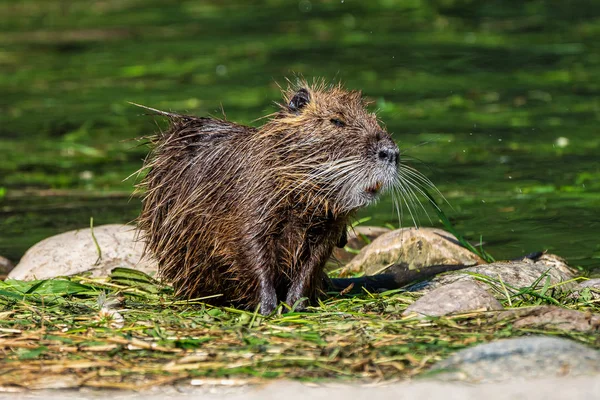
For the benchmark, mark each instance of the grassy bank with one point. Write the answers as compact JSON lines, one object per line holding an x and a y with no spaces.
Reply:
{"x":129,"y":332}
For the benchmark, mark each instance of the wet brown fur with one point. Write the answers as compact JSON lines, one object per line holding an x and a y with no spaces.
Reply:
{"x":253,"y":214}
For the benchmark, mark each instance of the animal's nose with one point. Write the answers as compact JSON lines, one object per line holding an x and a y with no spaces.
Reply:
{"x":389,"y":154}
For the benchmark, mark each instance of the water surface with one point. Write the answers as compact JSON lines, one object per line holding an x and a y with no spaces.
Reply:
{"x":499,"y":102}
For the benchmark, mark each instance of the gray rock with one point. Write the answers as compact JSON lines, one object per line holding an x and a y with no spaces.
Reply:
{"x":552,"y":318}
{"x":356,"y":241}
{"x":513,"y":274}
{"x":414,"y":248}
{"x":591,"y":283}
{"x":5,"y":265}
{"x":519,"y":358}
{"x":590,"y":288}
{"x":456,"y":298}
{"x":74,"y":252}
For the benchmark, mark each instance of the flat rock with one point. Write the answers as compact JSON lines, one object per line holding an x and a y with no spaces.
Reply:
{"x":552,"y":318}
{"x":413,"y":248}
{"x":519,"y":359}
{"x":513,"y":274}
{"x":456,"y":298}
{"x":358,"y":237}
{"x":74,"y":252}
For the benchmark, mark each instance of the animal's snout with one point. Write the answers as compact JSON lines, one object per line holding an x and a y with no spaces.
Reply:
{"x":389,"y":154}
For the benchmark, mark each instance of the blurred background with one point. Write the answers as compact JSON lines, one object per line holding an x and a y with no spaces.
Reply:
{"x":496,"y":102}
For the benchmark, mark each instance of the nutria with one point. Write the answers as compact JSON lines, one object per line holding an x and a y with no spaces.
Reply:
{"x":253,"y":214}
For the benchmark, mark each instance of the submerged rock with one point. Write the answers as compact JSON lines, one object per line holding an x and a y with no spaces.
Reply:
{"x":456,"y":298}
{"x":413,"y":249}
{"x":519,"y":358}
{"x":75,"y":252}
{"x":5,"y":265}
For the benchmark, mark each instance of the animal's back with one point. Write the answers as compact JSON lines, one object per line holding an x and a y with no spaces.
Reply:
{"x":192,"y":192}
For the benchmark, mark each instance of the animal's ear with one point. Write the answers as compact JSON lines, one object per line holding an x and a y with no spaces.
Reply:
{"x":299,"y":101}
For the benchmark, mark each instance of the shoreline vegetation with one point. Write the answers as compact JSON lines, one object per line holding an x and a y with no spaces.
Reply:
{"x":128,"y":332}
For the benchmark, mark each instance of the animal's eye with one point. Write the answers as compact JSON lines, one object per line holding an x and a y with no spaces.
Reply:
{"x":337,"y":122}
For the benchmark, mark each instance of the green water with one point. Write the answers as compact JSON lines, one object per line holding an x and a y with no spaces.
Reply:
{"x":498,"y":99}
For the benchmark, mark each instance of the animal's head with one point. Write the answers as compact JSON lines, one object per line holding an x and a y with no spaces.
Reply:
{"x":332,"y":147}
